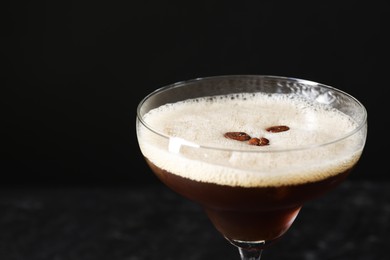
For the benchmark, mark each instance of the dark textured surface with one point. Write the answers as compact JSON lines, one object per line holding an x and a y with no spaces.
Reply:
{"x":151,"y":222}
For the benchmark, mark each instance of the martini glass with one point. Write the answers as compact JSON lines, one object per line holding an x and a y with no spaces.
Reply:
{"x":251,"y":149}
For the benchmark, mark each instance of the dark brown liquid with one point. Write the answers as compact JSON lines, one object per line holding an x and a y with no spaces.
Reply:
{"x":249,"y":214}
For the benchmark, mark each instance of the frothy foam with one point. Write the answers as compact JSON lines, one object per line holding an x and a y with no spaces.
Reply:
{"x":201,"y":122}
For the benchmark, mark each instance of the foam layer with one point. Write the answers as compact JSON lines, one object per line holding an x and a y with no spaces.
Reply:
{"x":203,"y":122}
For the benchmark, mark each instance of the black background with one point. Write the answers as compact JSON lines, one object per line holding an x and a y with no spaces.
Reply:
{"x":74,"y":72}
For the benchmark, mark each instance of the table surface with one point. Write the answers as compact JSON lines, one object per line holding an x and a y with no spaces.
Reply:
{"x":152,"y":222}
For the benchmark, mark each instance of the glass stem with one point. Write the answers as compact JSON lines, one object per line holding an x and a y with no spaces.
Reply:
{"x":249,"y":250}
{"x":252,"y":254}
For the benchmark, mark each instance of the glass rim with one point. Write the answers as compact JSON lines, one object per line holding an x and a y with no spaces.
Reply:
{"x":185,"y":142}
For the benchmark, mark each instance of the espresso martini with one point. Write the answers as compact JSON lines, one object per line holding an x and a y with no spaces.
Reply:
{"x":250,"y":160}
